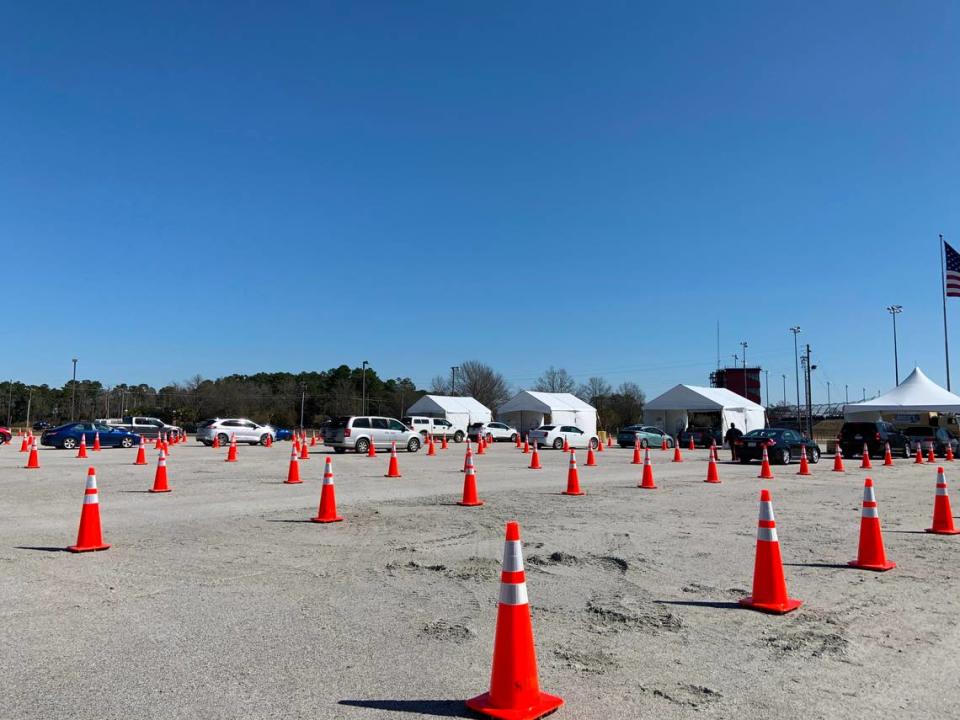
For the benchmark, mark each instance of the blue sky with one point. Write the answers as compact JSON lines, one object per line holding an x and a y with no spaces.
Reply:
{"x":234,"y":187}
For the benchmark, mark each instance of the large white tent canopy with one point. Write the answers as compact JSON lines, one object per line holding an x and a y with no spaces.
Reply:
{"x":461,"y":411}
{"x":671,"y":411}
{"x":530,"y":409}
{"x":917,"y":393}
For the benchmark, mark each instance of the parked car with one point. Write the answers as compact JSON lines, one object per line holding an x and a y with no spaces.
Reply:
{"x":41,"y":425}
{"x":358,"y":432}
{"x":875,"y":434}
{"x":246,"y":431}
{"x":783,"y":446}
{"x":492,"y":431}
{"x":149,"y":427}
{"x":67,"y":437}
{"x":282,"y":434}
{"x":5,"y":434}
{"x":648,"y":436}
{"x":702,"y":437}
{"x":553,"y":436}
{"x":437,"y":427}
{"x":923,"y":435}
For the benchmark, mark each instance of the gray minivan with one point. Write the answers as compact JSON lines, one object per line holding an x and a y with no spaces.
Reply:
{"x":357,"y":432}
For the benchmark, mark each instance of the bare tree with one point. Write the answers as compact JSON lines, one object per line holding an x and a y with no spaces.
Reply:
{"x":483,"y":383}
{"x":440,"y":385}
{"x":594,"y":391}
{"x":555,"y":380}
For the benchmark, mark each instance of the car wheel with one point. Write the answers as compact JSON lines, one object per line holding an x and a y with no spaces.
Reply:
{"x":907,"y":450}
{"x":224,"y":440}
{"x":594,"y":443}
{"x":670,"y":443}
{"x":413,"y":445}
{"x":644,"y":444}
{"x":362,"y":446}
{"x":815,"y":455}
{"x":458,"y":436}
{"x":127,"y":442}
{"x":263,"y":438}
{"x":558,"y":444}
{"x":69,"y":444}
{"x":785,"y":456}
{"x":514,"y":438}
{"x":339,"y":450}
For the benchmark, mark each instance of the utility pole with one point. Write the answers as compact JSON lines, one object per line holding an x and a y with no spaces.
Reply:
{"x":363,"y":396}
{"x":73,"y":396}
{"x":846,"y":393}
{"x":864,"y":394}
{"x":809,"y":391}
{"x":453,"y":379}
{"x":303,"y":400}
{"x":9,"y":402}
{"x":895,"y":310}
{"x":828,"y":392}
{"x":29,"y":403}
{"x":796,"y":361}
{"x":784,"y":376}
{"x":766,"y":385}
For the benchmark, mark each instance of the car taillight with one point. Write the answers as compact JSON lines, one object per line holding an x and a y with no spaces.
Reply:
{"x":877,"y":436}
{"x":346,"y":432}
{"x":738,"y":442}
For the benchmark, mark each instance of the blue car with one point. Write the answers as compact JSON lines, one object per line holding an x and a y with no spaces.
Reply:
{"x":282,"y":434}
{"x":67,"y":437}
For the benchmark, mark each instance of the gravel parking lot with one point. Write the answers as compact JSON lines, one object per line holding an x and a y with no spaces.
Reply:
{"x":220,"y":600}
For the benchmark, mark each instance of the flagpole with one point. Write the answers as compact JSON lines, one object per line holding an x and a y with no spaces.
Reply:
{"x":943,"y":285}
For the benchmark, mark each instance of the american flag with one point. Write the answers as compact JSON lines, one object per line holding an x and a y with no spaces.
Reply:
{"x":953,"y":270}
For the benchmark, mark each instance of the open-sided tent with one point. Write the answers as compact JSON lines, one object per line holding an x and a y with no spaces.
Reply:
{"x":461,"y":411}
{"x":671,"y":411}
{"x":917,"y":393}
{"x":530,"y":409}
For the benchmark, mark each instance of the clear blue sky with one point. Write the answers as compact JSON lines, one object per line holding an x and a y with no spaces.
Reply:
{"x":234,"y":187}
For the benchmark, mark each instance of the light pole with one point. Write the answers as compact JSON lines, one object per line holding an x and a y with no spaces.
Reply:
{"x":766,"y":384}
{"x":453,"y":379}
{"x":895,"y":310}
{"x":303,"y":398}
{"x":363,"y":396}
{"x":784,"y":376}
{"x":828,"y":394}
{"x":73,"y":396}
{"x":796,"y":361}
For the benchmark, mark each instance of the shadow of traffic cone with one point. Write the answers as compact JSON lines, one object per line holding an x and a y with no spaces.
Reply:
{"x":646,"y":480}
{"x":942,"y":516}
{"x":232,"y":452}
{"x":33,"y":460}
{"x":526,"y":445}
{"x":89,"y":536}
{"x":918,"y":458}
{"x":573,"y":476}
{"x":470,"y":498}
{"x":293,"y":471}
{"x":931,"y":457}
{"x":865,"y":463}
{"x":871,"y":554}
{"x":636,"y":454}
{"x":712,"y":475}
{"x":514,"y":684}
{"x":677,"y":457}
{"x":804,"y":463}
{"x":327,"y":512}
{"x":393,"y":471}
{"x":371,"y":448}
{"x":769,"y":586}
{"x":82,"y":450}
{"x":591,"y":457}
{"x":96,"y":442}
{"x":160,"y":479}
{"x":535,"y":458}
{"x":838,"y":459}
{"x":304,"y":451}
{"x":141,"y":453}
{"x":467,"y":457}
{"x":765,"y":472}
{"x":887,"y":455}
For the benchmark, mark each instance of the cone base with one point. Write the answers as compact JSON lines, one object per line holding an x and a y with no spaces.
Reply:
{"x":942,"y":532}
{"x":154,"y":490}
{"x":141,"y":463}
{"x":293,"y":482}
{"x":773,"y":608}
{"x":229,"y":460}
{"x":871,"y":566}
{"x":531,"y":467}
{"x":567,"y":492}
{"x":544,"y":705}
{"x":326,"y":520}
{"x":589,"y":464}
{"x":712,"y":482}
{"x":766,"y":476}
{"x":470,"y":504}
{"x":647,"y":487}
{"x":397,"y":475}
{"x":87,"y":548}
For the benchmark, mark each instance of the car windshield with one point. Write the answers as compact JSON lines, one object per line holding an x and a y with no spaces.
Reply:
{"x":765,"y":433}
{"x":633,"y":428}
{"x":101,"y":426}
{"x":548,"y":428}
{"x":206,"y":423}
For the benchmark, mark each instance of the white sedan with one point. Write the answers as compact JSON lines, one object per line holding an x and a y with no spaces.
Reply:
{"x":553,"y":436}
{"x":495,"y":431}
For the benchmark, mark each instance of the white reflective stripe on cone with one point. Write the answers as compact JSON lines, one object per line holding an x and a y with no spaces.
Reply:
{"x":942,"y":490}
{"x":91,"y":482}
{"x":870,"y":512}
{"x":868,"y":494}
{"x":328,"y":480}
{"x":90,"y":500}
{"x":766,"y":511}
{"x":513,"y":593}
{"x":767,"y":534}
{"x":512,"y":556}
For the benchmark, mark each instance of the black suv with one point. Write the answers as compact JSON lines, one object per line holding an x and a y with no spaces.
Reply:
{"x":876,"y":435}
{"x":925,"y":435}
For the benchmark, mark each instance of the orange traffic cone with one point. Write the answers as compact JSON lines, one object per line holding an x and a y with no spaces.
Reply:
{"x":33,"y":460}
{"x":468,"y":457}
{"x":609,"y":440}
{"x":769,"y":586}
{"x":535,"y":458}
{"x":887,"y":455}
{"x":804,"y":463}
{"x":293,"y":470}
{"x":865,"y":463}
{"x":931,"y":457}
{"x":313,"y":441}
{"x":713,"y":451}
{"x":871,"y":555}
{"x":327,"y":512}
{"x":96,"y":441}
{"x":636,"y":453}
{"x":304,"y":451}
{"x":481,"y":445}
{"x":712,"y":475}
{"x":82,"y":451}
{"x":838,"y":459}
{"x":765,"y":472}
{"x":514,"y":685}
{"x":141,"y":454}
{"x":526,"y":445}
{"x":371,"y":448}
{"x":942,"y":516}
{"x":949,"y":453}
{"x":25,"y":443}
{"x":566,"y":445}
{"x":443,"y":442}
{"x":663,"y":443}
{"x":269,"y":441}
{"x":646,"y":481}
{"x":591,"y":457}
{"x":573,"y":476}
{"x":393,"y":471}
{"x":470,"y":498}
{"x":677,"y":457}
{"x":89,"y":536}
{"x":160,"y":479}
{"x":918,"y":458}
{"x":232,"y":452}
{"x":599,"y":447}
{"x":215,"y":444}
{"x":518,"y":441}
{"x":431,"y":448}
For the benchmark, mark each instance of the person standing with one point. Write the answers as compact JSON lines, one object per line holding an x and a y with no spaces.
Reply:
{"x":732,"y":436}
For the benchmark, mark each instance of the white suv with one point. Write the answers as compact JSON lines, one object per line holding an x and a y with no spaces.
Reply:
{"x":246,"y":431}
{"x":493,"y":431}
{"x":438,"y":427}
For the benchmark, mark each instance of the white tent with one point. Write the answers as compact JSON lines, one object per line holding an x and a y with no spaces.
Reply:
{"x":671,"y":411}
{"x":461,"y":411}
{"x":917,"y":393}
{"x":530,"y":409}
